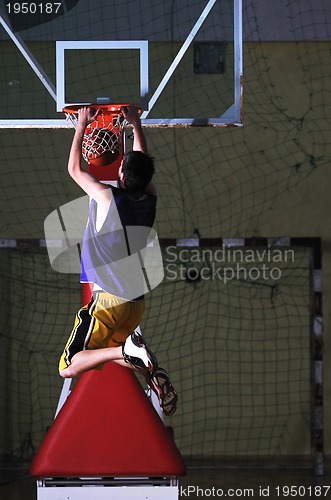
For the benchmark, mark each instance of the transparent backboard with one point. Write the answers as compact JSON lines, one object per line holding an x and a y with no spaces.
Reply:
{"x":181,"y":62}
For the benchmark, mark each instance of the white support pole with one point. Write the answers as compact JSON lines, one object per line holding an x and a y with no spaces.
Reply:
{"x":31,"y":60}
{"x":179,"y":56}
{"x":64,"y":394}
{"x":238,"y":62}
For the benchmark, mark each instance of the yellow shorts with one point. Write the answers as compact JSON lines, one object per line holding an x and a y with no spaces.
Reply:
{"x":105,"y":322}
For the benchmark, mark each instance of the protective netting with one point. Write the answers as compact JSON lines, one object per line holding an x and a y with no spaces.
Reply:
{"x":37,"y":305}
{"x":223,"y":182}
{"x":232,"y":328}
{"x":238,"y":352}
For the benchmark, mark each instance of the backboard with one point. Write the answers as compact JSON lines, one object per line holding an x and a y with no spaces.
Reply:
{"x":180,"y":62}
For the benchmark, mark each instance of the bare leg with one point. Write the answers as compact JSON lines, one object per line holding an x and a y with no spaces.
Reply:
{"x":89,"y":359}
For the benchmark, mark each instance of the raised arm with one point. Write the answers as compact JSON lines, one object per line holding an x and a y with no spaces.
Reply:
{"x":84,"y":179}
{"x":139,"y":140}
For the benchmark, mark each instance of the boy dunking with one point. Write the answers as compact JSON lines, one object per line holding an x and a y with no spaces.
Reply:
{"x":103,"y":328}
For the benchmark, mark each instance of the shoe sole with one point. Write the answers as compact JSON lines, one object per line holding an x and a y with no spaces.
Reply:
{"x":163,"y":388}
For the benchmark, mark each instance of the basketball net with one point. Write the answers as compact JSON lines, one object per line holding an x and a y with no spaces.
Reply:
{"x":101,"y":136}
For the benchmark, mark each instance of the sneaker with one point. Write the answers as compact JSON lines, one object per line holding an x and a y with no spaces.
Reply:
{"x":159,"y":381}
{"x":136,"y":353}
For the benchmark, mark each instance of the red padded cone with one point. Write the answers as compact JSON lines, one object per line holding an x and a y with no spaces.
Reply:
{"x":107,"y":427}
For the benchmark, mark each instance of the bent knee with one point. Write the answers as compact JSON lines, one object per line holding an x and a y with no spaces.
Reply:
{"x":66,"y":373}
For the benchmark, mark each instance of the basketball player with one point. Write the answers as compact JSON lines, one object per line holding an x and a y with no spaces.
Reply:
{"x":103,"y":328}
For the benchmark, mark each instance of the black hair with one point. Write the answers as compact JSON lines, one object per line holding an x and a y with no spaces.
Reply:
{"x":138,"y":170}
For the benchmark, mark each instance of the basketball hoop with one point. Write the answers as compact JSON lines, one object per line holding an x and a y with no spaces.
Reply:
{"x":103,"y":137}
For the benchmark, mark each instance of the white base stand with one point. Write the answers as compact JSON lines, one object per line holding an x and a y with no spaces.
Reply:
{"x":103,"y":489}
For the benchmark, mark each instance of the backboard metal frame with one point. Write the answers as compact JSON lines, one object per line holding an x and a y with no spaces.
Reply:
{"x":232,"y":117}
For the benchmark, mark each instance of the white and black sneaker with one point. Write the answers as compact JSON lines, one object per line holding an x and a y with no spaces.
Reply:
{"x":136,"y":353}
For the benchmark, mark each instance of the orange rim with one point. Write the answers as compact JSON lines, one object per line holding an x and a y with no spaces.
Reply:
{"x":107,"y":109}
